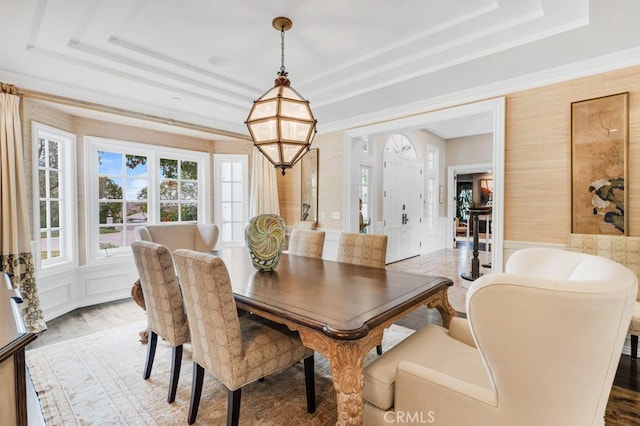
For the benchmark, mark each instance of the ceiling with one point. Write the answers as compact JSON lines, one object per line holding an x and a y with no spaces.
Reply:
{"x":204,"y":61}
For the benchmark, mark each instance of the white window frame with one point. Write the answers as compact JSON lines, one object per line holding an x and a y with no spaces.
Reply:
{"x":218,"y":159}
{"x":366,"y":212}
{"x":153,"y":153}
{"x":432,"y":183}
{"x":67,"y":183}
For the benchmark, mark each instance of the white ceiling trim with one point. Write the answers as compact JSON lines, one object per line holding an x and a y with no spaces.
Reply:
{"x":380,"y":53}
{"x":427,"y":61}
{"x":598,"y":65}
{"x":239,"y":101}
{"x":121,"y":74}
{"x":39,"y":84}
{"x":180,"y":64}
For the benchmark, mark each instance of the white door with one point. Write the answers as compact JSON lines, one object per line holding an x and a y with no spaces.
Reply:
{"x":402,"y":201}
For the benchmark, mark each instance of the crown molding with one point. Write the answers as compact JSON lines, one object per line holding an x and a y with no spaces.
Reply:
{"x":601,"y":64}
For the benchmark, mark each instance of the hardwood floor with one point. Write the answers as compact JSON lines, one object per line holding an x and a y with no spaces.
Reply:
{"x":624,"y":407}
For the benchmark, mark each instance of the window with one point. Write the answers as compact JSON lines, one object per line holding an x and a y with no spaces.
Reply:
{"x":464,"y":198}
{"x":364,"y":145}
{"x":54,"y":194}
{"x":365,"y":176}
{"x":140,"y":184}
{"x":400,"y":145}
{"x":432,"y":176}
{"x":178,"y":190}
{"x":231,"y":176}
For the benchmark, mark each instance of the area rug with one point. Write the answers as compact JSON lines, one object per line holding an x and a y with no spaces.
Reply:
{"x":97,"y":380}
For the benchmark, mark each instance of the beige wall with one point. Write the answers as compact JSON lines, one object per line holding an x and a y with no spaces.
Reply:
{"x":537,"y":158}
{"x":474,"y":149}
{"x":330,"y":183}
{"x":538,"y":155}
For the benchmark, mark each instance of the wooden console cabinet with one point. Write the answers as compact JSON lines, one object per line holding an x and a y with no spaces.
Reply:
{"x":13,"y":340}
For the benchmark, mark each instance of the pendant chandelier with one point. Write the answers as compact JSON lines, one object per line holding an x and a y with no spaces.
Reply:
{"x":280,"y":122}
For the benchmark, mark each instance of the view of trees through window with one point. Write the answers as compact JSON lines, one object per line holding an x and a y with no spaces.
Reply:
{"x":365,"y":219}
{"x":124,"y":194}
{"x":50,"y":198}
{"x":464,"y":198}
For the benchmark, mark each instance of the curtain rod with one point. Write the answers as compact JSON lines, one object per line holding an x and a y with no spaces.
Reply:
{"x":47,"y":97}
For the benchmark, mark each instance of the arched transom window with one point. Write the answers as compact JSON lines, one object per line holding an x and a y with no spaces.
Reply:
{"x":400,"y":145}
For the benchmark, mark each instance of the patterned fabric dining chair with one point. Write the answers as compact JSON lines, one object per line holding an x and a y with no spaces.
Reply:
{"x":305,"y":242}
{"x":235,"y":350}
{"x":165,"y":312}
{"x":365,"y":250}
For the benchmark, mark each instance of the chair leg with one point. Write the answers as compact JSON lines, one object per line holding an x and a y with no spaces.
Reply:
{"x":196,"y":391}
{"x":634,"y":346}
{"x":176,"y":363}
{"x":379,"y":349}
{"x":233,"y":406}
{"x":151,"y":353}
{"x":310,"y":384}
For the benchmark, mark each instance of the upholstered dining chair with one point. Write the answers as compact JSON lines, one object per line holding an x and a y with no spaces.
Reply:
{"x":305,"y":242}
{"x":236,"y":350}
{"x":165,"y":312}
{"x":622,"y":249}
{"x":363,"y":249}
{"x":541,"y":346}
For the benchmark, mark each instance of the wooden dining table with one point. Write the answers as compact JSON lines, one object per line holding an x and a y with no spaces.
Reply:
{"x":340,"y":310}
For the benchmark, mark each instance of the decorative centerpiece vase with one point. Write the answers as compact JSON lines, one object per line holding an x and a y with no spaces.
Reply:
{"x":264,"y":235}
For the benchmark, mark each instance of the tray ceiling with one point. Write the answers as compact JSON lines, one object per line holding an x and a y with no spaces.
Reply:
{"x":204,"y":62}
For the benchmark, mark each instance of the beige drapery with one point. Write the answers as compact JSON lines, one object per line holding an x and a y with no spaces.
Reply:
{"x":264,"y":186}
{"x":15,"y":249}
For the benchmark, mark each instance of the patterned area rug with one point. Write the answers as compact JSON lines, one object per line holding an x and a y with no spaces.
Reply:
{"x":97,"y":380}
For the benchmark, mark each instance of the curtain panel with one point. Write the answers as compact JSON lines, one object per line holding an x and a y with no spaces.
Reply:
{"x":264,"y":186}
{"x":16,"y":257}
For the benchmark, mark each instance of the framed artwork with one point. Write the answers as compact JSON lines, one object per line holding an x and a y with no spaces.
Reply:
{"x":486,"y":192}
{"x":599,"y":141}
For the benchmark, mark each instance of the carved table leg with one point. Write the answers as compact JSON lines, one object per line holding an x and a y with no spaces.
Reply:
{"x":440,"y":301}
{"x":347,"y":370}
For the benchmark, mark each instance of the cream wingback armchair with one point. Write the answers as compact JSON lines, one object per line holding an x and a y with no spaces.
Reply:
{"x":191,"y":236}
{"x":625,"y":250}
{"x":540,"y":347}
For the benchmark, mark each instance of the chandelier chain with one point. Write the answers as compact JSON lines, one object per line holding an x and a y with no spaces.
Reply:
{"x":282,"y":71}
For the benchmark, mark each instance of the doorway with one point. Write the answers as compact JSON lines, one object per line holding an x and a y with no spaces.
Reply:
{"x":402,"y":193}
{"x":493,"y":108}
